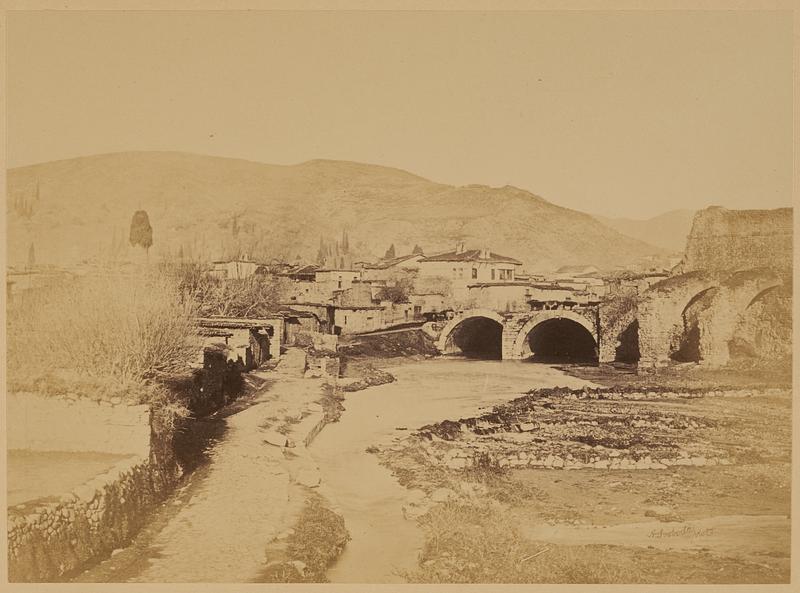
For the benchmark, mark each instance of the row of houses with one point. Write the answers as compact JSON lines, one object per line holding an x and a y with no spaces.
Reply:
{"x":372,"y":295}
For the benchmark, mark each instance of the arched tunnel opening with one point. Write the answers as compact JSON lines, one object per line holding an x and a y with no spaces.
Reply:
{"x":562,"y":341}
{"x":689,"y":346}
{"x":628,"y":348}
{"x":477,"y":337}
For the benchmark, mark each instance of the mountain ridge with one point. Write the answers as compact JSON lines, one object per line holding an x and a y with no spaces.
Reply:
{"x":217,"y":207}
{"x":668,"y":230}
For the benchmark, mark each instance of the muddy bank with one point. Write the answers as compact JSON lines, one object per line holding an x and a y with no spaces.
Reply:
{"x":405,"y":343}
{"x":363,"y":374}
{"x":365,"y":358}
{"x":685,"y":376}
{"x":667,"y":485}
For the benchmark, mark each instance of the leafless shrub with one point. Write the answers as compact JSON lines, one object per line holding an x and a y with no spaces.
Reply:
{"x":256,"y":296}
{"x":127,"y":329}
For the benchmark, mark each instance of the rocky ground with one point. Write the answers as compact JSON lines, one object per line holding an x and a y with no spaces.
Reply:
{"x":632,"y":483}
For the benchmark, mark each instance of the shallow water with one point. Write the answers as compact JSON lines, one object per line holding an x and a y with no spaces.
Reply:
{"x":384,"y":543}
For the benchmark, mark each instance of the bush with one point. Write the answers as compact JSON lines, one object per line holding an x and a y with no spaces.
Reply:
{"x":110,"y":330}
{"x":256,"y":296}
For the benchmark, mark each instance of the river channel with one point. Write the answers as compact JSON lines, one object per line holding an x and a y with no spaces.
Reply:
{"x":384,"y":543}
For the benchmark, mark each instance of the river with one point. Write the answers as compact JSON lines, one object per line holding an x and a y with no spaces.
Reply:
{"x":384,"y":543}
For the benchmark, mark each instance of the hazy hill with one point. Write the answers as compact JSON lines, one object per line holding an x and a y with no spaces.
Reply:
{"x":211,"y":207}
{"x":668,"y":231}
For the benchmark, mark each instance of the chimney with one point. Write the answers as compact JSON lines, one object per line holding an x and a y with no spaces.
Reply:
{"x":485,"y":253}
{"x":460,"y":247}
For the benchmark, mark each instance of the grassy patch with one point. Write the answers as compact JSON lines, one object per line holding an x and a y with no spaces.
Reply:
{"x":331,"y":402}
{"x":479,"y":543}
{"x":318,"y":538}
{"x":468,"y":543}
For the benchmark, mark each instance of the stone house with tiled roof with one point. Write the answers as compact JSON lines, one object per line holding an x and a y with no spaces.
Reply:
{"x":464,"y":267}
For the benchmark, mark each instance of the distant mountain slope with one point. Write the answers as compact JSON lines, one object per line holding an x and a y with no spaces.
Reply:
{"x":668,"y":231}
{"x":210,"y":207}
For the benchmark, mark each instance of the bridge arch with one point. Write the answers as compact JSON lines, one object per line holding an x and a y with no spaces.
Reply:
{"x":560,"y":323}
{"x":478,"y":330}
{"x":685,"y":346}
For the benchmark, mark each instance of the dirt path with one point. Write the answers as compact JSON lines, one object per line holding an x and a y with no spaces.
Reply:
{"x":250,"y":492}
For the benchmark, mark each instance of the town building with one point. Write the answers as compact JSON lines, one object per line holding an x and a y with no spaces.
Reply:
{"x":463,"y":267}
{"x":234,"y":269}
{"x":350,"y":319}
{"x":333,"y":280}
{"x":300,"y":273}
{"x":252,"y":341}
{"x":386,"y":270}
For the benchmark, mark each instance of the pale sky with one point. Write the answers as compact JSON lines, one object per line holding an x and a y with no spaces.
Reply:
{"x":616,"y":113}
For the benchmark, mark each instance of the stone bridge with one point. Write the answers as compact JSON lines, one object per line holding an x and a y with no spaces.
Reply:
{"x":560,"y":332}
{"x":694,"y":316}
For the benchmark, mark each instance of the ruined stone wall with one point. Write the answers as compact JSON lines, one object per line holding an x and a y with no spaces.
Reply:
{"x":764,"y":330}
{"x":694,"y":316}
{"x":660,"y":312}
{"x":731,"y":240}
{"x":616,"y":315}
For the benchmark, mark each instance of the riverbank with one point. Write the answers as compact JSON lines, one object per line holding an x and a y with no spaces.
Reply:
{"x":631,"y":484}
{"x":567,"y":482}
{"x":386,"y":540}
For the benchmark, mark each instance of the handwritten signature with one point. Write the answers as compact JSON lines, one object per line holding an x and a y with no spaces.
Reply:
{"x":685,"y":531}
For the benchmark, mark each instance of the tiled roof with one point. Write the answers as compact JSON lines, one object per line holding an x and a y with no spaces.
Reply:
{"x":579,"y":268}
{"x":472,"y":255}
{"x":388,"y":263}
{"x":303,"y":269}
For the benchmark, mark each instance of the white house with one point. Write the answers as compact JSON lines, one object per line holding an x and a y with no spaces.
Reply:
{"x":464,"y":267}
{"x":234,"y":269}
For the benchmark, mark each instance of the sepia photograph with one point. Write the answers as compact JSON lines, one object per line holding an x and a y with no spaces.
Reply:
{"x":398,"y":297}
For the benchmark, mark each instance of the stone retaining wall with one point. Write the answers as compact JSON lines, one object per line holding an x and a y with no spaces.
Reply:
{"x":50,"y":540}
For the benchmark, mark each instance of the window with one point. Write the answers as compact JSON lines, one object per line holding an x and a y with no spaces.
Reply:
{"x":474,"y":273}
{"x":492,"y":273}
{"x":460,"y":272}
